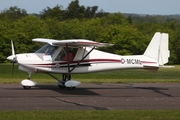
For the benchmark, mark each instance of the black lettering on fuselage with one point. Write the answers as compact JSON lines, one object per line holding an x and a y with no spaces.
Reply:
{"x":130,"y":61}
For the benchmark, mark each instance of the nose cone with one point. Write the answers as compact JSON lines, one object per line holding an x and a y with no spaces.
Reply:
{"x":12,"y":58}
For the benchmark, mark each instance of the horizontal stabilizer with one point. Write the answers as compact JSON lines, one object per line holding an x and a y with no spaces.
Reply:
{"x":167,"y":66}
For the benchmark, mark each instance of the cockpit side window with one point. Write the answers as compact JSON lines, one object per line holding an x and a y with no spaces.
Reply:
{"x":62,"y":56}
{"x":61,"y":53}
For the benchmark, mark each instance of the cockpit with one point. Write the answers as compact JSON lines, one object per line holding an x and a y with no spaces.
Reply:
{"x":56,"y":53}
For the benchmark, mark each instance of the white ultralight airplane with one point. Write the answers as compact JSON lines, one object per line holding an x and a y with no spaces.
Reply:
{"x":68,"y":57}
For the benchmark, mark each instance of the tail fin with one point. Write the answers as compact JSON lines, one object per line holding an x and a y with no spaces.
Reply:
{"x":158,"y":48}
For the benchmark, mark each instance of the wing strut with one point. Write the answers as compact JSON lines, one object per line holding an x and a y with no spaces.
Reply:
{"x":69,"y":76}
{"x":82,"y":59}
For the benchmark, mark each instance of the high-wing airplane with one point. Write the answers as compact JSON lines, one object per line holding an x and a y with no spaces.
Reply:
{"x":68,"y":57}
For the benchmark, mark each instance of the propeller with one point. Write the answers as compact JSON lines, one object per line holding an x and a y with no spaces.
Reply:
{"x":13,"y":57}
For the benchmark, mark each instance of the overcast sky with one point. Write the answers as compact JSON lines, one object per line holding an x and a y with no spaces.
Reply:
{"x":152,"y":7}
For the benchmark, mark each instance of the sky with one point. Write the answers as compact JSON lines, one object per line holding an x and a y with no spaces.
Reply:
{"x":151,"y":7}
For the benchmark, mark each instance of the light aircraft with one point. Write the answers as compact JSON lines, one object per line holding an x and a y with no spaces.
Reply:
{"x":86,"y":59}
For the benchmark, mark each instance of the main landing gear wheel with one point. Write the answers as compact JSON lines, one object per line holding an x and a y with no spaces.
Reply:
{"x":61,"y":83}
{"x":71,"y":88}
{"x":27,"y":87}
{"x":62,"y":86}
{"x":66,"y":82}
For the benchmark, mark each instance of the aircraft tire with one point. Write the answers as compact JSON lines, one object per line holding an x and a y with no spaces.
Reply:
{"x":62,"y":86}
{"x":27,"y":87}
{"x":71,"y":88}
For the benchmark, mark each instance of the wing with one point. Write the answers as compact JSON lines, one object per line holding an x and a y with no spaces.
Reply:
{"x":73,"y":42}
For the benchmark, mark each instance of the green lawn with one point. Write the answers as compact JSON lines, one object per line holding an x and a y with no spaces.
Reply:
{"x":92,"y":115}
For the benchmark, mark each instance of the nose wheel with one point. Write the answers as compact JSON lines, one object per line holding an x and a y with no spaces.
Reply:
{"x":27,"y":87}
{"x":27,"y":83}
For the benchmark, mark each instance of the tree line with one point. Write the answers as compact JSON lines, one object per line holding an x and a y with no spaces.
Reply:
{"x":129,"y":34}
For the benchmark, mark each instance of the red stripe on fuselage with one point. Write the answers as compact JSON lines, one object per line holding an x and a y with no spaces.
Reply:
{"x":84,"y":61}
{"x":91,"y":61}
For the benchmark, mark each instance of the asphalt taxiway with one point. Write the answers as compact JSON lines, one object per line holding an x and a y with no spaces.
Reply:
{"x":135,"y":96}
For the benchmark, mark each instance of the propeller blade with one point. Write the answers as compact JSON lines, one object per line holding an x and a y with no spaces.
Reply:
{"x":12,"y":46}
{"x":13,"y":57}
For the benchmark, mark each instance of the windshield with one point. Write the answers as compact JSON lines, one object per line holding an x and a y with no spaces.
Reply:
{"x":47,"y":49}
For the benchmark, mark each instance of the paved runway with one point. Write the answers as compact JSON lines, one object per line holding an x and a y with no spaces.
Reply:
{"x":140,"y":96}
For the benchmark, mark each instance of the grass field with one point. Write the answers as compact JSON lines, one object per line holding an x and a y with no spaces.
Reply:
{"x":165,"y":75}
{"x":92,"y":115}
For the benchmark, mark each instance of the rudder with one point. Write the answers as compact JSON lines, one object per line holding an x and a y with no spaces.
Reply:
{"x":164,"y":53}
{"x":158,"y":48}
